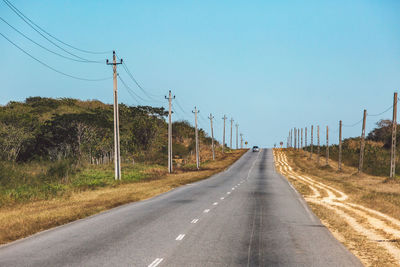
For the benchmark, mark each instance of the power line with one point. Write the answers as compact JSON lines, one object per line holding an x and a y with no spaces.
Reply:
{"x":374,"y":115}
{"x":130,"y":89}
{"x":53,"y":69}
{"x":138,"y":84}
{"x":178,"y":114}
{"x":354,"y":124}
{"x":45,"y":48}
{"x":180,"y":107}
{"x":16,"y":10}
{"x":30,"y":25}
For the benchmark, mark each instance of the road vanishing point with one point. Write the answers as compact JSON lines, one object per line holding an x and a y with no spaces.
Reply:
{"x":248,"y":215}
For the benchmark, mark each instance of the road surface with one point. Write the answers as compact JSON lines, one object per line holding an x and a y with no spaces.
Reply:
{"x":246,"y":216}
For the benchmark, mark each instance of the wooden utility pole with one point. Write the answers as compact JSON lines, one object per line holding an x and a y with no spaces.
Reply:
{"x":288,"y":141}
{"x":169,"y":130}
{"x":212,"y":136}
{"x":237,"y":137}
{"x":231,"y":133}
{"x":223,"y":135}
{"x":327,"y":145}
{"x":393,"y":148}
{"x":340,"y":145}
{"x":305,"y":138}
{"x":298,"y":139}
{"x":362,"y":143}
{"x":318,"y":147}
{"x":311,"y":144}
{"x":117,"y":153}
{"x":241,"y":141}
{"x":197,"y":137}
{"x":301,"y":138}
{"x":291,"y":138}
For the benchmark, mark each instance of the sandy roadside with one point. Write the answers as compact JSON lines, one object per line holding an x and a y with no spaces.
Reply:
{"x":369,"y":234}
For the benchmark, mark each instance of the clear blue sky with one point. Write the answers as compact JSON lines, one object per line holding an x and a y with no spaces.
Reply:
{"x":271,"y":65}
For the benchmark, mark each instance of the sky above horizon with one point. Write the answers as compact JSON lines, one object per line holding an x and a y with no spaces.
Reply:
{"x":271,"y":65}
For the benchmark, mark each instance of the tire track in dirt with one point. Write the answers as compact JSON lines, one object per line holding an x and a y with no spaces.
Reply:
{"x":372,"y":224}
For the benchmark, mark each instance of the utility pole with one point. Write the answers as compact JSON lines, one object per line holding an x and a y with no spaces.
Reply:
{"x":212,"y":136}
{"x":311,"y":148}
{"x":393,"y":148}
{"x":241,"y":141}
{"x":117,"y":154}
{"x":301,"y":138}
{"x":169,"y":130}
{"x":305,"y":138}
{"x":291,"y":138}
{"x":223,"y":136}
{"x":340,"y":145}
{"x":237,"y":137}
{"x":231,"y":133}
{"x":298,"y":139}
{"x":362,"y":143}
{"x":288,"y":141}
{"x":295,"y":136}
{"x":327,"y":145}
{"x":318,"y":148}
{"x":197,"y":137}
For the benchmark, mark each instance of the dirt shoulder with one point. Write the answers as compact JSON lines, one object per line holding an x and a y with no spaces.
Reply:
{"x":362,"y":211}
{"x":21,"y":220}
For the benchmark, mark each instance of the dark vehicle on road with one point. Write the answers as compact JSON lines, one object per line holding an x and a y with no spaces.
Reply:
{"x":256,"y":149}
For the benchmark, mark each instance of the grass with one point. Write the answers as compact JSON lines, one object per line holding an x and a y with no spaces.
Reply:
{"x":45,"y":180}
{"x":93,"y":190}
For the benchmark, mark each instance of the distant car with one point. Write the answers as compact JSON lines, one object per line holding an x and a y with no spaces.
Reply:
{"x":256,"y":149}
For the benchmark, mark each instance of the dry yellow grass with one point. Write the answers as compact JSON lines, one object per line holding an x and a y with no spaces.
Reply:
{"x":26,"y":219}
{"x":362,"y":211}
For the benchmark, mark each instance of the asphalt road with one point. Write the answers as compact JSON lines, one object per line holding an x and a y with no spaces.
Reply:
{"x":246,"y":216}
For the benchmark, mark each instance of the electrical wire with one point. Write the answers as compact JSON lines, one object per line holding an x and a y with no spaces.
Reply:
{"x":180,"y":106}
{"x":16,"y":10}
{"x":374,"y":115}
{"x":45,"y":48}
{"x":53,"y":69}
{"x":137,"y":83}
{"x":130,"y":89}
{"x":352,"y":125}
{"x":177,"y":113}
{"x":36,"y":30}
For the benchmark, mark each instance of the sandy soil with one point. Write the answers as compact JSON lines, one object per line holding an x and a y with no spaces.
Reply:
{"x":380,"y":229}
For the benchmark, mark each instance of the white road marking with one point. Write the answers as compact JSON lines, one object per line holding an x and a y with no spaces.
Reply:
{"x":228,"y":193}
{"x":180,"y":237}
{"x":207,"y":210}
{"x":155,"y":262}
{"x":222,"y":198}
{"x":215,"y":203}
{"x":233,"y":188}
{"x":194,"y":221}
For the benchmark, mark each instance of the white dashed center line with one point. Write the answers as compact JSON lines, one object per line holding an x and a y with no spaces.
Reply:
{"x":222,"y":198}
{"x":207,"y":210}
{"x":228,"y":193}
{"x":215,"y":203}
{"x":180,"y":237}
{"x":155,"y":262}
{"x":233,"y":188}
{"x":194,"y":221}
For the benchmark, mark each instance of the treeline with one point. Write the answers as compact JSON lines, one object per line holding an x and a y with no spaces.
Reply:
{"x":46,"y":129}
